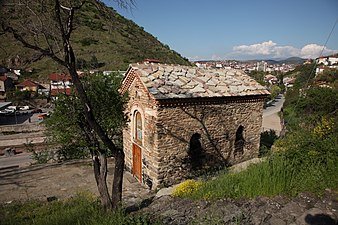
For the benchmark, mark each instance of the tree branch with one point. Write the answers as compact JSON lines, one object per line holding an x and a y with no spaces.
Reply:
{"x":19,"y":38}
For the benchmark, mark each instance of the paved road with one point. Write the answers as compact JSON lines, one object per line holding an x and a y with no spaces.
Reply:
{"x":276,"y":107}
{"x":21,"y":160}
{"x":271,"y":119}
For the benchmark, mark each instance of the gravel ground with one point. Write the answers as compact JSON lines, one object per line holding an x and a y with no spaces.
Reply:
{"x":61,"y":180}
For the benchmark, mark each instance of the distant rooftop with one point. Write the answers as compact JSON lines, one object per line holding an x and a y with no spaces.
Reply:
{"x":59,"y":77}
{"x":174,"y":81}
{"x":27,"y":83}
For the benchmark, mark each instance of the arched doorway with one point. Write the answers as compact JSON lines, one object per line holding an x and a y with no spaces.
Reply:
{"x":138,"y":141}
{"x":195,"y":151}
{"x":239,"y":141}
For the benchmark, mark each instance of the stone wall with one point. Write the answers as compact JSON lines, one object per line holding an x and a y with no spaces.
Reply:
{"x":216,"y":125}
{"x":141,"y":101}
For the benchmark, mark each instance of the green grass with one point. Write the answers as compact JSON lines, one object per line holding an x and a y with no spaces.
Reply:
{"x":279,"y":175}
{"x":82,"y":209}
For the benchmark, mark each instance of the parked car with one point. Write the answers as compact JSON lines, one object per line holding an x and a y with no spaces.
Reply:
{"x":3,"y":112}
{"x":25,"y":107}
{"x":12,"y":107}
{"x":10,"y":110}
{"x":37,"y":111}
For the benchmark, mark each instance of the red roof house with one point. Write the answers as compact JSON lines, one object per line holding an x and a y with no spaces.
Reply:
{"x":27,"y":85}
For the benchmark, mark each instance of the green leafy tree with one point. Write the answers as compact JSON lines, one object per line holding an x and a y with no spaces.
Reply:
{"x":16,"y":97}
{"x":258,"y":76}
{"x":304,"y":75}
{"x":47,"y":27}
{"x":275,"y":91}
{"x":67,"y":124}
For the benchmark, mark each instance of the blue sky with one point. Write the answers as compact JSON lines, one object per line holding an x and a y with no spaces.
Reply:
{"x":239,"y":29}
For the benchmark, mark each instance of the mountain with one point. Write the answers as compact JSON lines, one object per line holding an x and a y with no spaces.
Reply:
{"x":101,"y":37}
{"x":292,"y":60}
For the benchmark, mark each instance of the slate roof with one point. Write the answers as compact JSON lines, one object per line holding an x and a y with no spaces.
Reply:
{"x":174,"y":81}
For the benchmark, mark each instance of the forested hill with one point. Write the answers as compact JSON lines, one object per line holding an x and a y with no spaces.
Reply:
{"x":102,"y":38}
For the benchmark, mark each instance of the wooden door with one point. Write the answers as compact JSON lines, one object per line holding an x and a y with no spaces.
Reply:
{"x":137,"y":169}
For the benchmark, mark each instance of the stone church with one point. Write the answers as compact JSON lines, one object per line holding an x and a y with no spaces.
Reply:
{"x":185,"y":119}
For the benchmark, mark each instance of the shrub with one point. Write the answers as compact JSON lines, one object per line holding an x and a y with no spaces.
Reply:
{"x":266,"y":141}
{"x":88,"y":41}
{"x":186,"y":188}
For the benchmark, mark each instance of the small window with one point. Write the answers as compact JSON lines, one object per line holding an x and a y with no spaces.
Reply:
{"x":138,"y":127}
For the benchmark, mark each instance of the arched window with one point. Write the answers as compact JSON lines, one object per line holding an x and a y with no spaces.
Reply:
{"x":138,"y":127}
{"x":195,"y":151}
{"x":239,"y":141}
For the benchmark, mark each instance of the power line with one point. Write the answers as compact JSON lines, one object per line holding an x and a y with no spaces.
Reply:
{"x":321,"y":54}
{"x":315,"y":65}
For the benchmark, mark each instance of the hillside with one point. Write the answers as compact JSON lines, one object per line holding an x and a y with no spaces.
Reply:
{"x":290,"y":60}
{"x":101,"y":36}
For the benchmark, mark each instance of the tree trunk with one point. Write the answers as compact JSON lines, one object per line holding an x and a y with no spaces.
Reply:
{"x":100,"y":172}
{"x":118,"y":179}
{"x":117,"y":154}
{"x":70,"y":62}
{"x":99,"y":159}
{"x":64,"y":24}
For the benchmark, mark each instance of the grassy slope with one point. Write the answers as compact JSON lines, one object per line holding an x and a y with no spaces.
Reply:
{"x":103,"y":33}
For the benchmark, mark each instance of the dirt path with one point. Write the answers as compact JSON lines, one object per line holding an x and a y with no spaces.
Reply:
{"x":62,"y":181}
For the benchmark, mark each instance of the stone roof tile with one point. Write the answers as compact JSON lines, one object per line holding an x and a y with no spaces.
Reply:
{"x":171,"y":81}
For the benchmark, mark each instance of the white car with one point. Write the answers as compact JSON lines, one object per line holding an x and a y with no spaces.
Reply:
{"x":26,"y":107}
{"x":12,"y":107}
{"x":10,"y":110}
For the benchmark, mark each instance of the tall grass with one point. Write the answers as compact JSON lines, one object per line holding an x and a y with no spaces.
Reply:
{"x":82,"y":209}
{"x":278,"y":175}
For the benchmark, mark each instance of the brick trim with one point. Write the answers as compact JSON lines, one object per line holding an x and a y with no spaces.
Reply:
{"x":209,"y":101}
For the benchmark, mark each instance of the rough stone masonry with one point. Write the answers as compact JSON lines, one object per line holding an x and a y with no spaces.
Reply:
{"x":186,"y":119}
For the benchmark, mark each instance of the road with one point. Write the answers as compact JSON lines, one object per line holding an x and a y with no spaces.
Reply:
{"x":271,"y":119}
{"x":18,"y":140}
{"x":21,"y":160}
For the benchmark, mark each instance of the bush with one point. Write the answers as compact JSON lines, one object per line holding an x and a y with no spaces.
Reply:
{"x":186,"y":188}
{"x":266,"y":141}
{"x":88,"y":41}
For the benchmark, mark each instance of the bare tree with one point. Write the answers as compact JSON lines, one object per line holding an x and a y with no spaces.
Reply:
{"x":46,"y":27}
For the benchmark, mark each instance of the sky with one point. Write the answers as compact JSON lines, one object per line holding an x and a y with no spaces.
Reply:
{"x":240,"y":29}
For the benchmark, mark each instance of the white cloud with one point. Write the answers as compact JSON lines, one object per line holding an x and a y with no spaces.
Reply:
{"x":314,"y":51}
{"x":270,"y":49}
{"x":264,"y":48}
